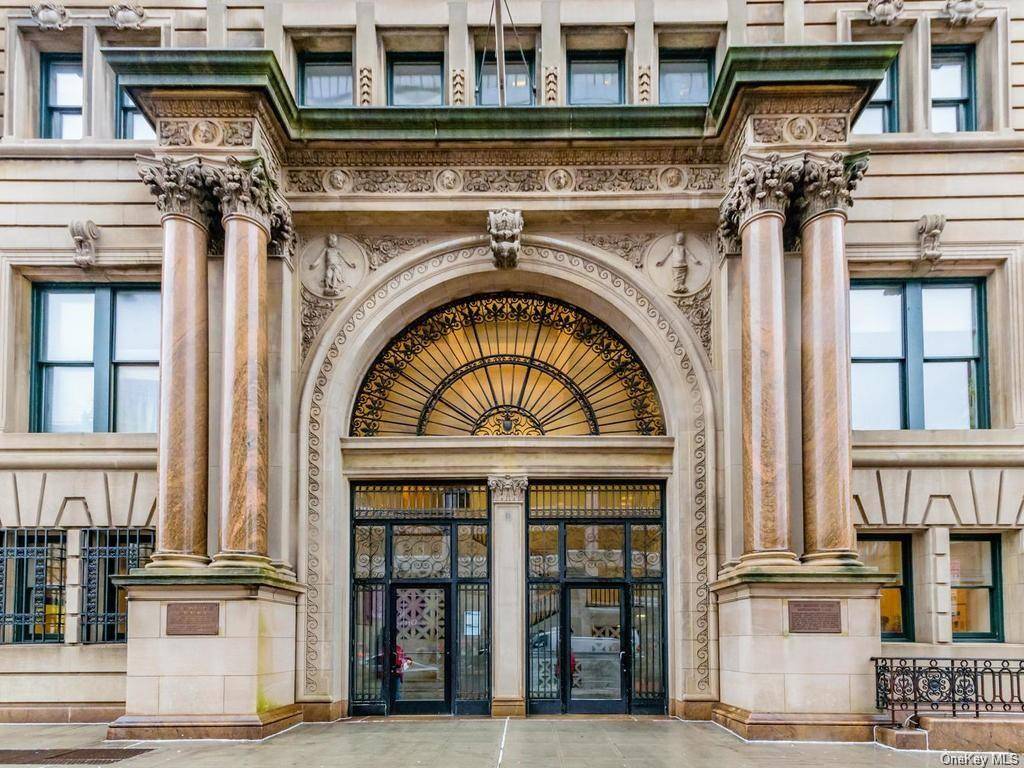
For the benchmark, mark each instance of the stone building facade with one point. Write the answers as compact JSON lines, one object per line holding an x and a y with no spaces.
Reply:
{"x":692,"y":383}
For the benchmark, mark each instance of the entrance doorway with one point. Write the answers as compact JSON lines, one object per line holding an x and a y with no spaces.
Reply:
{"x":595,"y":585}
{"x":420,"y":599}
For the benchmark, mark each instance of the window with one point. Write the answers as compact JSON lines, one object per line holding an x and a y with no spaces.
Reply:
{"x":952,"y":87}
{"x":97,"y":351}
{"x":416,"y":80}
{"x":518,"y":81}
{"x":918,"y":349}
{"x":61,"y":96}
{"x":31,"y":585}
{"x":975,"y":575}
{"x":132,"y":124}
{"x":685,"y":77}
{"x":881,"y":115}
{"x":892,"y":554}
{"x":108,"y":552}
{"x":325,"y":80}
{"x":596,"y":77}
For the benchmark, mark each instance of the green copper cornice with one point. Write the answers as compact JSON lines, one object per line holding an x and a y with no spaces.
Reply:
{"x":146,"y":69}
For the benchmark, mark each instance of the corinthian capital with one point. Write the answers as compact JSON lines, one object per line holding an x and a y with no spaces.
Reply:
{"x":242,"y":188}
{"x":178,"y":185}
{"x":761,"y":183}
{"x":828,"y":182}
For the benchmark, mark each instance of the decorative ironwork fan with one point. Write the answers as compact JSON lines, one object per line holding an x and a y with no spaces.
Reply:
{"x":507,"y":364}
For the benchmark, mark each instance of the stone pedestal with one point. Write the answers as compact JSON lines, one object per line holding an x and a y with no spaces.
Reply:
{"x":508,"y":590}
{"x":211,"y":654}
{"x":795,"y":648}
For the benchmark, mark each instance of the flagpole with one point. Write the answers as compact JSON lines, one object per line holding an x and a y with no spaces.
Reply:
{"x":499,"y":50}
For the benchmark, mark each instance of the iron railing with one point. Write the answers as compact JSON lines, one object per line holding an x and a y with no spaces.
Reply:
{"x":908,"y":688}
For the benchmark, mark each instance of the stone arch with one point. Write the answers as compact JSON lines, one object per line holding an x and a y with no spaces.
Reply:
{"x":359,"y":329}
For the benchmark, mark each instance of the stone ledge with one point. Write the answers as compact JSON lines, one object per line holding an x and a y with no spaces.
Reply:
{"x":206,"y":726}
{"x":994,"y":733}
{"x":761,"y":726}
{"x":207,"y":576}
{"x":61,"y":712}
{"x":901,"y":738}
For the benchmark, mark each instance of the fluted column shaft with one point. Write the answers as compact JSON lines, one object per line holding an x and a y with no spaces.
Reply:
{"x":244,"y":434}
{"x":763,"y":372}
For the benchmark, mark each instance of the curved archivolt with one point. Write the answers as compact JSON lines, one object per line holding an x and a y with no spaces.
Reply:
{"x":507,"y":364}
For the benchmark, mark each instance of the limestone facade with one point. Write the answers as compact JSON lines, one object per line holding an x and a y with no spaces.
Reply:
{"x":291,"y":245}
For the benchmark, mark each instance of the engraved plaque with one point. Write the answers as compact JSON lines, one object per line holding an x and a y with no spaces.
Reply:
{"x":193,"y":618}
{"x":816,"y":616}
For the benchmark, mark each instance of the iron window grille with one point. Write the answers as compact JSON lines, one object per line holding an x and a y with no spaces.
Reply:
{"x":32,"y":584}
{"x":109,"y":552}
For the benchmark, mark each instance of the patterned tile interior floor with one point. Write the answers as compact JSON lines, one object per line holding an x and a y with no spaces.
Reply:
{"x":479,"y":743}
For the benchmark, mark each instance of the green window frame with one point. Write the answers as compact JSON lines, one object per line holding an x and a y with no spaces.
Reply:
{"x":127,"y":111}
{"x":51,"y":111}
{"x":397,"y":59}
{"x":995,"y":590}
{"x":309,"y":60}
{"x":104,"y":361}
{"x":887,"y":103}
{"x":966,"y":103}
{"x":913,"y":360}
{"x":581,"y":57}
{"x":906,"y":588}
{"x":701,"y":56}
{"x":515,"y":58}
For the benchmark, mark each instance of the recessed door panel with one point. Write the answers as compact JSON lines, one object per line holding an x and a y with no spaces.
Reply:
{"x":596,"y":649}
{"x":419,"y":670}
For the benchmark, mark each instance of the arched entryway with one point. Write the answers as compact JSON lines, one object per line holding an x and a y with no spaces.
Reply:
{"x":646,"y":423}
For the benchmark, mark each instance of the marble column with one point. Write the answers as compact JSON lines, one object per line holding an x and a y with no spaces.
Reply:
{"x":184,"y":359}
{"x":246,"y":200}
{"x":829,"y":537}
{"x":754,"y":211}
{"x":508,"y":587}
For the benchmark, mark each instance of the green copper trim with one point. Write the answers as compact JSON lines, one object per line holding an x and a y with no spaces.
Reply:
{"x":142,"y":69}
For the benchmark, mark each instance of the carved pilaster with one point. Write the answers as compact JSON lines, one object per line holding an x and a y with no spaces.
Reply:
{"x":760,"y":184}
{"x":508,"y":489}
{"x":179,"y":187}
{"x":828,"y":182}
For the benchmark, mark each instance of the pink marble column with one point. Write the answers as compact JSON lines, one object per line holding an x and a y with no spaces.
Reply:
{"x":829,"y":537}
{"x":184,"y":375}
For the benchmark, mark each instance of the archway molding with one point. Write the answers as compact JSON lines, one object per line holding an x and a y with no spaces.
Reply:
{"x":365,"y":322}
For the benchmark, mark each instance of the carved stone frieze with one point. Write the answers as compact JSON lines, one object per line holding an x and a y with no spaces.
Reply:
{"x":963,"y":12}
{"x":84,"y":234}
{"x":697,"y":309}
{"x":380,"y":249}
{"x":767,"y":130}
{"x":504,"y":180}
{"x":617,"y":179}
{"x":127,"y":15}
{"x":799,"y":129}
{"x":365,"y":86}
{"x":884,"y":11}
{"x":550,"y":85}
{"x":828,"y":182}
{"x":505,"y":227}
{"x":761,"y":183}
{"x":314,"y":313}
{"x":628,"y":246}
{"x":50,"y":15}
{"x":180,"y":186}
{"x":205,"y":132}
{"x":508,"y":489}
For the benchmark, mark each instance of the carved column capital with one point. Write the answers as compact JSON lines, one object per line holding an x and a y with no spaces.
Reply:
{"x":761,"y":183}
{"x":179,"y":187}
{"x":245,"y":188}
{"x":829,"y":182}
{"x":508,"y":489}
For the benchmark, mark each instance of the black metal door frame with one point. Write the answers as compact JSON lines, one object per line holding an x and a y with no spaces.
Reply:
{"x":617,"y":706}
{"x":428,"y":706}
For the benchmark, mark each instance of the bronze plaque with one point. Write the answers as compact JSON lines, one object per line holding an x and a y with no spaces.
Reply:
{"x":193,"y":618}
{"x":820,"y":616}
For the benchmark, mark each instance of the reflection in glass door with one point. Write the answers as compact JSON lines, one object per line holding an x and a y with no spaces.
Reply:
{"x":419,"y":671}
{"x":596,"y":649}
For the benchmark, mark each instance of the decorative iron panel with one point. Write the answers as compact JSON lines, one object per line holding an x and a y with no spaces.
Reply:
{"x":595,"y":500}
{"x":369,"y":647}
{"x":409,"y":501}
{"x":507,"y":364}
{"x":543,"y":638}
{"x":32,"y":579}
{"x":108,"y":552}
{"x":474,"y":641}
{"x":648,"y":642}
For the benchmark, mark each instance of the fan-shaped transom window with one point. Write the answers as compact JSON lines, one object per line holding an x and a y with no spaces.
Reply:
{"x":507,"y":364}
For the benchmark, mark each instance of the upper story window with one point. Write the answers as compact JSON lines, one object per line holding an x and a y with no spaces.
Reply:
{"x":325,"y":80}
{"x":518,"y":81}
{"x":132,"y":124}
{"x":892,"y":554}
{"x":918,"y":349}
{"x":109,"y":552}
{"x":96,"y":358}
{"x":596,"y":77}
{"x":32,"y":578}
{"x":881,"y":115}
{"x":952,"y":88}
{"x":685,"y":77}
{"x":415,"y":79}
{"x":61,"y":95}
{"x":976,"y":579}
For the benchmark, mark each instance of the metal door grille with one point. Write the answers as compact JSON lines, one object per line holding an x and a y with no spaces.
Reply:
{"x":32,"y":585}
{"x":108,"y":552}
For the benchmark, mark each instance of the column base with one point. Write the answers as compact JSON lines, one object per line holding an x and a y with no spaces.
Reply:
{"x":255,"y":726}
{"x":775,"y":557}
{"x":510,"y":707}
{"x":242,"y":560}
{"x":832,"y":558}
{"x":177,"y":560}
{"x":323,"y":711}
